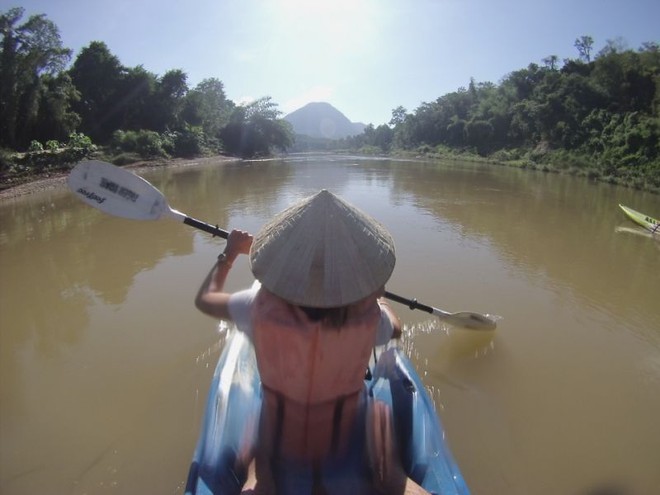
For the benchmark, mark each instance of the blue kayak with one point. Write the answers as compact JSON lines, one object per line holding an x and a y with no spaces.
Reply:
{"x":234,"y":403}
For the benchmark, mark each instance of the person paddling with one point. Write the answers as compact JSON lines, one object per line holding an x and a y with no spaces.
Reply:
{"x":314,"y":318}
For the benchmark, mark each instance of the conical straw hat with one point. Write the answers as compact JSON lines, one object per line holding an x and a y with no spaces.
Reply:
{"x":322,"y":253}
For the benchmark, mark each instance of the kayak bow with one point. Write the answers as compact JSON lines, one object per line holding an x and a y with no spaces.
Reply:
{"x":645,"y":221}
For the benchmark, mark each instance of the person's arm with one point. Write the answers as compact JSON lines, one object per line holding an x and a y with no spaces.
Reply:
{"x":394,"y":319}
{"x":211,"y":298}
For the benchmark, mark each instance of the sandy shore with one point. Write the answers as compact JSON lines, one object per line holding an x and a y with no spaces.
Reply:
{"x":58,"y":181}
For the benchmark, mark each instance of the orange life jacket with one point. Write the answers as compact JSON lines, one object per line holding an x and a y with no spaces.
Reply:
{"x":312,"y":375}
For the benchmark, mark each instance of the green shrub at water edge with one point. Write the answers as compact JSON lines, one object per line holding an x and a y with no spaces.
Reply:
{"x":35,"y":147}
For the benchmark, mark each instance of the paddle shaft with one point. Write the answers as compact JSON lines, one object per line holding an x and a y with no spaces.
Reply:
{"x":411,"y":303}
{"x":214,"y":230}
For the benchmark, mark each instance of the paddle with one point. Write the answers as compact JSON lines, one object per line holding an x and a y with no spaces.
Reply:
{"x":119,"y":192}
{"x":464,"y":319}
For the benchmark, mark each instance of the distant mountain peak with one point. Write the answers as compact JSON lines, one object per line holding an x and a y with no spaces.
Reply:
{"x":322,"y":120}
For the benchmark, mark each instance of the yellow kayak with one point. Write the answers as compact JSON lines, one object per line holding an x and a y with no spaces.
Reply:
{"x":645,"y":221}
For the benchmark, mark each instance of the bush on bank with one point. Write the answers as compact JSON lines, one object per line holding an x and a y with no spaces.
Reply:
{"x":42,"y":159}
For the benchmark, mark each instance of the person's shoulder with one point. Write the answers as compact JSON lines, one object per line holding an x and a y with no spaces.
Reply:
{"x":240,"y":307}
{"x":245,"y":296}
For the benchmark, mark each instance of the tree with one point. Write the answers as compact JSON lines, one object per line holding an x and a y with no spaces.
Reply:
{"x":478,"y":133}
{"x":522,"y":82}
{"x":255,"y":129}
{"x":56,"y":120}
{"x":456,"y":133}
{"x":207,"y":106}
{"x":98,"y":76}
{"x":551,"y":62}
{"x":380,"y":137}
{"x":136,"y":99}
{"x":398,"y":116}
{"x":383,"y":137}
{"x":168,"y":101}
{"x":584,"y":45}
{"x":617,"y":45}
{"x":28,"y":52}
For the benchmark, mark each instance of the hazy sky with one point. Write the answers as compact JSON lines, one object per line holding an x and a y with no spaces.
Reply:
{"x":365,"y":57}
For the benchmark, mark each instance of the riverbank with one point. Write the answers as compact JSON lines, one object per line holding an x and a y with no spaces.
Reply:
{"x":51,"y":180}
{"x":12,"y":187}
{"x":555,"y":162}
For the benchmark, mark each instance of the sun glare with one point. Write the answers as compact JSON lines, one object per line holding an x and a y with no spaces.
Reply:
{"x":328,"y":8}
{"x":336,"y":25}
{"x":317,"y":48}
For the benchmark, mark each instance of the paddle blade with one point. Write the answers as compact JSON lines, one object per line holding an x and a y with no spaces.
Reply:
{"x":116,"y":191}
{"x":466,"y":319}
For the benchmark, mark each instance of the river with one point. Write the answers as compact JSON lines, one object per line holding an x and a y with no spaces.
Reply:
{"x":105,"y":363}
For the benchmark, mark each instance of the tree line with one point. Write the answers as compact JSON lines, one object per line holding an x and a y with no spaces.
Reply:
{"x":99,"y":101}
{"x":595,"y":115}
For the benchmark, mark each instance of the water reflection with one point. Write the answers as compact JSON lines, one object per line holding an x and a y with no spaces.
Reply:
{"x":544,"y":224}
{"x":211,"y":193}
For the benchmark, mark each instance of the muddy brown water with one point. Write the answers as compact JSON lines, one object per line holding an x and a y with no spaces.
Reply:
{"x":105,"y":363}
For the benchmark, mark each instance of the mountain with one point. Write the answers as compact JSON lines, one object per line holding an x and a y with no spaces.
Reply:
{"x":322,"y":120}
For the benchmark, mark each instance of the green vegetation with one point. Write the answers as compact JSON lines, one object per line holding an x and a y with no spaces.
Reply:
{"x":596,"y":116}
{"x":120,"y":113}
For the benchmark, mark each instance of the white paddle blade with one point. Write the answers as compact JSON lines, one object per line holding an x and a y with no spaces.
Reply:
{"x":466,"y":319}
{"x":116,"y":191}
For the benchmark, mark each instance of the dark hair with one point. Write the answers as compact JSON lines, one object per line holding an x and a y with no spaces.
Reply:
{"x":334,"y":317}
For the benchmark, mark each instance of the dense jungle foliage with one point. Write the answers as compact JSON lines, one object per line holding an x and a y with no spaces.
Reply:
{"x":596,"y":116}
{"x":599,"y":118}
{"x":51,"y":115}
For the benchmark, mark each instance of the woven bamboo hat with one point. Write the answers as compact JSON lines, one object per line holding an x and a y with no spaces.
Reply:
{"x":322,"y":253}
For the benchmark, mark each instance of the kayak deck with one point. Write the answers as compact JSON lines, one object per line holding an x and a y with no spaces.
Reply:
{"x":645,"y":221}
{"x":232,"y":416}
